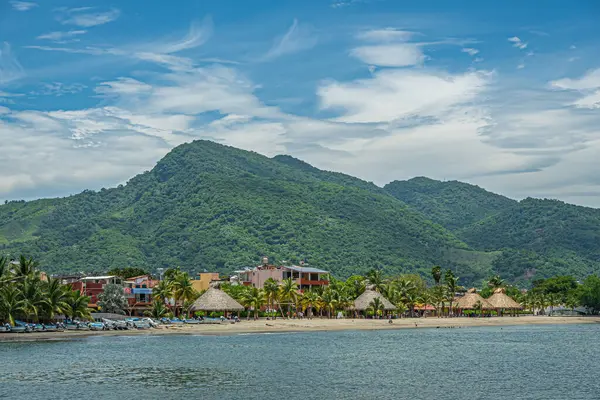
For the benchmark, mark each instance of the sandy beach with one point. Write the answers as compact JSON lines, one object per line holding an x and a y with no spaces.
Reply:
{"x":314,"y":325}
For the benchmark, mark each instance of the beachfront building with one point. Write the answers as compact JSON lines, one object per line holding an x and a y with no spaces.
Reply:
{"x":138,"y":292}
{"x":306,"y":277}
{"x":215,"y":299}
{"x":92,"y":286}
{"x":204,"y":279}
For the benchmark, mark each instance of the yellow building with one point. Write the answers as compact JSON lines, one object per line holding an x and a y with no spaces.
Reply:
{"x":204,"y":279}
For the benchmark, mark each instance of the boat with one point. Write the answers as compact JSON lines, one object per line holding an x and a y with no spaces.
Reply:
{"x":70,"y":326}
{"x":96,"y":326}
{"x":151,"y":322}
{"x":191,"y":321}
{"x":5,"y":328}
{"x":176,"y":321}
{"x":18,"y":329}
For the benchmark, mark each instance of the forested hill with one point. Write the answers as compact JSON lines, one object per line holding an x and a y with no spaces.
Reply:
{"x":208,"y":206}
{"x":451,"y":204}
{"x":538,"y":238}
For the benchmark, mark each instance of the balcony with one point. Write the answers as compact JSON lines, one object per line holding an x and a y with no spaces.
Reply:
{"x":313,"y":283}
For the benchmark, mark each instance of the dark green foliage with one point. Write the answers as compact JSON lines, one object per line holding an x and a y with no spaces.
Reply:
{"x":207,"y":206}
{"x":451,"y":204}
{"x":590,"y":293}
{"x":533,"y":239}
{"x":127,"y":272}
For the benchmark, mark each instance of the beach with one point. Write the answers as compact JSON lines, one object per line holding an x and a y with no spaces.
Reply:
{"x":306,"y":325}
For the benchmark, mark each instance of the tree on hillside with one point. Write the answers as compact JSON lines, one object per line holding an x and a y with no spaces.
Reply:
{"x":436,"y":273}
{"x":376,"y":280}
{"x":112,"y":299}
{"x":128,"y":272}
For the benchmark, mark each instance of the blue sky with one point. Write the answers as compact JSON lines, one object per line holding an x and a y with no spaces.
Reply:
{"x":504,"y":95}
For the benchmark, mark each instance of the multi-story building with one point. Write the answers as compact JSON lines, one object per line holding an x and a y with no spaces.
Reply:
{"x":138,"y":292}
{"x":204,"y":279}
{"x":92,"y":286}
{"x":306,"y":277}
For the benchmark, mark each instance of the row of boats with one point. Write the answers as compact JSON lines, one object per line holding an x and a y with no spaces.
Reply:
{"x":104,"y":325}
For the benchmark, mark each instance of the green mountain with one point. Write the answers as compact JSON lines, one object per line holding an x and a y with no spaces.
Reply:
{"x":536,"y":238}
{"x":453,"y":204}
{"x":208,"y":206}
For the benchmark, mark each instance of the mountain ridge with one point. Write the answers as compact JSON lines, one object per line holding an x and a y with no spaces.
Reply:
{"x":210,"y":206}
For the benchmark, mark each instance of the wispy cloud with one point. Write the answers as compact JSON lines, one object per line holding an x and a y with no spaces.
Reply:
{"x":470,"y":51}
{"x":386,"y":35}
{"x":390,"y":48}
{"x":517,"y":42}
{"x":22,"y":5}
{"x":297,"y":38}
{"x":61,"y":36}
{"x":58,"y":89}
{"x":86,"y":17}
{"x":10,"y":68}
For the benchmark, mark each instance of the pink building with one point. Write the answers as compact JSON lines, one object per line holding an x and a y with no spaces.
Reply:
{"x":306,"y":277}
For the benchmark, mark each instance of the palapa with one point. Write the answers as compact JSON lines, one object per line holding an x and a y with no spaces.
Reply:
{"x":363,"y":302}
{"x":216,"y":300}
{"x":501,"y":300}
{"x":469,"y":301}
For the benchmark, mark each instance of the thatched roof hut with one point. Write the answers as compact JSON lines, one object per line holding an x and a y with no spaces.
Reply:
{"x":470,"y":300}
{"x":216,"y":300}
{"x":363,"y":302}
{"x":501,"y":300}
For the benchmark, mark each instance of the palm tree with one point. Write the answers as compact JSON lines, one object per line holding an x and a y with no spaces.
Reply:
{"x":495,"y":282}
{"x":288,"y":292}
{"x":451,"y":282}
{"x":411,"y":298}
{"x":309,"y":300}
{"x":376,"y":304}
{"x":26,"y":268}
{"x":77,"y":305}
{"x":163,"y":291}
{"x":479,"y":307}
{"x":183,"y":289}
{"x":4,"y":270}
{"x":11,"y":303}
{"x":436,"y":273}
{"x":271,"y":288}
{"x":375,"y":279}
{"x":56,"y":299}
{"x":254,"y":298}
{"x":158,"y":310}
{"x":329,"y":301}
{"x":33,"y":296}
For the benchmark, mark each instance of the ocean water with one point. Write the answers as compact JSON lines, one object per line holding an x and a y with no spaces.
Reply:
{"x":525,"y":362}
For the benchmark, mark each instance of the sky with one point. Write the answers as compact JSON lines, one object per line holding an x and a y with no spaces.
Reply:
{"x":505,"y":95}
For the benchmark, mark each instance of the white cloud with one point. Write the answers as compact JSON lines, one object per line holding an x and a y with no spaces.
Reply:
{"x":517,"y":42}
{"x":86,"y":17}
{"x":590,"y":80}
{"x":390,"y":55}
{"x":470,"y":51}
{"x":122,"y":86}
{"x":386,"y":35}
{"x":22,"y":5}
{"x":393,"y":94}
{"x":60,"y":36}
{"x":297,"y":38}
{"x":520,"y":66}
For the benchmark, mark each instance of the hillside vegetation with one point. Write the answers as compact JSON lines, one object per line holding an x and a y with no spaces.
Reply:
{"x":206,"y":206}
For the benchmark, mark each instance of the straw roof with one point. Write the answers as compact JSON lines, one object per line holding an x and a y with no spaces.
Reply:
{"x":216,"y":300}
{"x":470,"y":299}
{"x":500,"y":300}
{"x":363,"y":302}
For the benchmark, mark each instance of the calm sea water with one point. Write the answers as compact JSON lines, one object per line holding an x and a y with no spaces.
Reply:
{"x":533,"y":362}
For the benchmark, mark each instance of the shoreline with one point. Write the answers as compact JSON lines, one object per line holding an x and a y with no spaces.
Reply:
{"x":293,"y":326}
